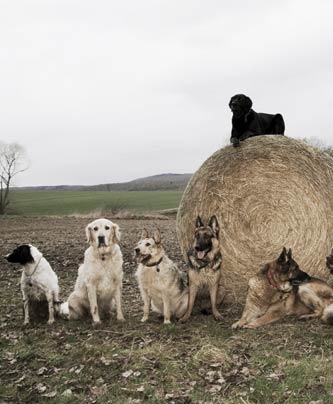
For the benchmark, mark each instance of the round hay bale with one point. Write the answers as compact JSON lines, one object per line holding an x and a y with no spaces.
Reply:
{"x":272,"y":191}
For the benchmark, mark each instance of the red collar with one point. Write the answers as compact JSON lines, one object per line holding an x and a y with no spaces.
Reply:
{"x":271,"y":281}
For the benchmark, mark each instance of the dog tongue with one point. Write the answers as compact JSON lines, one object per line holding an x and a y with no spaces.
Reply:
{"x":201,"y":254}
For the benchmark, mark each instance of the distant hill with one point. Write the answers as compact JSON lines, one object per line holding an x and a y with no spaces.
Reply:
{"x":161,"y":182}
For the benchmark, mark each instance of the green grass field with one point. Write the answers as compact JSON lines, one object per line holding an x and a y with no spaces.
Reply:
{"x":83,"y":202}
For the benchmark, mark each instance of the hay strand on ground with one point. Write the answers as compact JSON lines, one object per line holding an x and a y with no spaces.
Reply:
{"x":272,"y":191}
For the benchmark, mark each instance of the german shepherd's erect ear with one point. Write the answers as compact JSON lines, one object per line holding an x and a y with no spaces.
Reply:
{"x":282,"y":258}
{"x":199,"y":222}
{"x":289,"y":254}
{"x":329,"y":262}
{"x":157,"y":236}
{"x":144,"y":234}
{"x":214,"y":224}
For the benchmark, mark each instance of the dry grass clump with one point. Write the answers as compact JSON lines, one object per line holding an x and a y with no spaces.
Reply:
{"x":272,"y":191}
{"x":211,"y":355}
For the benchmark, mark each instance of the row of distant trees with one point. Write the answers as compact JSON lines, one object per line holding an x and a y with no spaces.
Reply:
{"x":12,"y":162}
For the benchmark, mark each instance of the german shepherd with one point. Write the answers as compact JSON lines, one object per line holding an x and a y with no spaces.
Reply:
{"x":205,"y":273}
{"x":280,"y":289}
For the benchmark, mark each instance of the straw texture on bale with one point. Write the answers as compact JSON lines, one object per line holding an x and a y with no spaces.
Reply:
{"x":270,"y":192}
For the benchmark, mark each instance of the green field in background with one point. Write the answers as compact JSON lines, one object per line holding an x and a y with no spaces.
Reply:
{"x":72,"y":202}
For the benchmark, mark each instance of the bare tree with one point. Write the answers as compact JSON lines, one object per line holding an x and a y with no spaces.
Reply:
{"x":12,"y":162}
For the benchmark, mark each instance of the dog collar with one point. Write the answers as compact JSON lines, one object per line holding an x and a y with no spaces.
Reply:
{"x":155,"y":264}
{"x":214,"y":264}
{"x":103,"y":255}
{"x":34,"y":270}
{"x":271,"y":281}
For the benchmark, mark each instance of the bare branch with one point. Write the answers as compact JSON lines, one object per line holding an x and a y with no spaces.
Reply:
{"x":12,"y":157}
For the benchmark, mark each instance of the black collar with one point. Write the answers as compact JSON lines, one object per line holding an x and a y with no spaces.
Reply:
{"x":214,"y":265}
{"x":154,"y":264}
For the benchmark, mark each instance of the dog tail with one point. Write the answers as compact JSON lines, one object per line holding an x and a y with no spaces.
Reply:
{"x":327,"y":316}
{"x":62,"y":309}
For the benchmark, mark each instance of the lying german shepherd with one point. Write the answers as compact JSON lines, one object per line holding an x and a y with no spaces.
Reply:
{"x":205,"y":273}
{"x":280,"y":289}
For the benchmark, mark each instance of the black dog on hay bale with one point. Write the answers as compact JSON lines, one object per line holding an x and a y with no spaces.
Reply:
{"x":247,"y":123}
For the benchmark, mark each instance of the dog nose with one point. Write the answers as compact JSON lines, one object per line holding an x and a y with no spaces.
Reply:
{"x":101,"y":239}
{"x":137,"y":250}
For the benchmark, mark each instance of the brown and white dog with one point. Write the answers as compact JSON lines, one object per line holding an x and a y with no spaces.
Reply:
{"x":162,"y":285}
{"x":205,"y":273}
{"x":99,"y":281}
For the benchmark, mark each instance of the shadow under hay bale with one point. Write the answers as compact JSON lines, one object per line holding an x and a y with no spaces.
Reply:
{"x":271,"y":192}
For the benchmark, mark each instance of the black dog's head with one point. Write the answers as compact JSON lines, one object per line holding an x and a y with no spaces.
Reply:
{"x":329,"y":262}
{"x":21,"y":255}
{"x":206,"y":237}
{"x":289,"y":269}
{"x":240,"y":105}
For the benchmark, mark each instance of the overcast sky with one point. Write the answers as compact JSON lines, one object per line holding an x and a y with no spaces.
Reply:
{"x":108,"y":91}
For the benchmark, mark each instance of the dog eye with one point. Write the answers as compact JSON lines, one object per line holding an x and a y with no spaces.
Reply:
{"x":95,"y":228}
{"x":147,"y":244}
{"x":107,"y":228}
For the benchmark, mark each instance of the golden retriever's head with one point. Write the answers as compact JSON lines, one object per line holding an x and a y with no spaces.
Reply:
{"x":148,"y":249}
{"x":102,"y":233}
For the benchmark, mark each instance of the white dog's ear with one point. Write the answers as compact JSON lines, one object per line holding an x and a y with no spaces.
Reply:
{"x":144,"y":233}
{"x":115,"y":233}
{"x":157,"y":236}
{"x":89,"y":234}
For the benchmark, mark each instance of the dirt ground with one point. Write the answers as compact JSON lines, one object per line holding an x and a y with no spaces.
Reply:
{"x":202,"y":361}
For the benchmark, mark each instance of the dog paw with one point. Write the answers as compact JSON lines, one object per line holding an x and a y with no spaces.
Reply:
{"x":250,"y":326}
{"x":236,"y":325}
{"x":218,"y":317}
{"x":96,"y":323}
{"x":235,"y":141}
{"x":50,"y":322}
{"x":144,"y":319}
{"x":184,"y":319}
{"x":167,"y":322}
{"x":121,"y":319}
{"x":304,"y":317}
